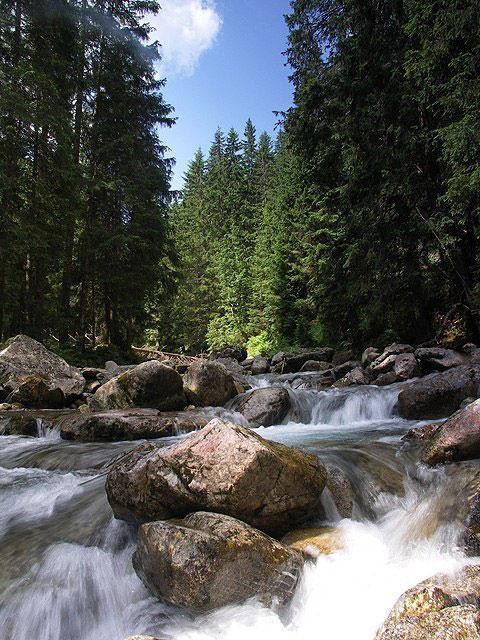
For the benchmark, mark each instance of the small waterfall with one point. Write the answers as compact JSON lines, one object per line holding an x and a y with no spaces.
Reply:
{"x":343,"y":407}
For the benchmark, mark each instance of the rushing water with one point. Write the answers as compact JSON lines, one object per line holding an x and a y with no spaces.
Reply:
{"x":65,"y":564}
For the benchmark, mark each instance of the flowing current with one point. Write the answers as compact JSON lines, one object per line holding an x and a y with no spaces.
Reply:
{"x":65,"y":563}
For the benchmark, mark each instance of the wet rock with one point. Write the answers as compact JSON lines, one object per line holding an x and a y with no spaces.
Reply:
{"x":356,"y":376}
{"x":384,"y":379}
{"x":457,"y":439}
{"x":26,"y":422}
{"x":438,"y":608}
{"x":149,"y":385}
{"x":406,"y":366}
{"x":263,"y":407}
{"x":314,"y":365}
{"x":208,"y":560}
{"x":25,"y":361}
{"x":259,"y":366}
{"x":314,"y":541}
{"x":131,"y":424}
{"x":293,"y":364}
{"x":464,"y":404}
{"x":38,"y":392}
{"x":223,"y":468}
{"x":208,"y":384}
{"x":421,"y":434}
{"x":278,"y":358}
{"x":438,"y":395}
{"x":341,"y":490}
{"x":341,"y":370}
{"x":438,"y":359}
{"x":369,"y":355}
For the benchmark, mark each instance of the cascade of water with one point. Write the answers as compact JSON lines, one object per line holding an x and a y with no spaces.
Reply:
{"x":64,"y":573}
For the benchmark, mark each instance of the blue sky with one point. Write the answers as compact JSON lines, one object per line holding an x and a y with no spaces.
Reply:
{"x":223,"y":63}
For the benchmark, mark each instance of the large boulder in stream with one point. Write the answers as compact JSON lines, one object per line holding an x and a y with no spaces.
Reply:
{"x":456,"y":439}
{"x":440,"y":608}
{"x":208,"y":560}
{"x":36,"y":377}
{"x":150,"y":385}
{"x":131,"y":424}
{"x":263,"y":407}
{"x":438,"y":395}
{"x":223,"y":468}
{"x":209,"y":384}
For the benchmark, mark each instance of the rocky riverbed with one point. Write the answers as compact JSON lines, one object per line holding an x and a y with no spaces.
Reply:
{"x":241,"y":497}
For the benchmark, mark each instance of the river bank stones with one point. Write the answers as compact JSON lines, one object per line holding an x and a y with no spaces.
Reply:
{"x":36,"y":377}
{"x":209,"y":560}
{"x":223,"y":468}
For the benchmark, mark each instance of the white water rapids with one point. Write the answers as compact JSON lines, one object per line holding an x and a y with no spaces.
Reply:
{"x":65,"y":564}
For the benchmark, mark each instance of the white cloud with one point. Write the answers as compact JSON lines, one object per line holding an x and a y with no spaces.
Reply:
{"x":185,"y":29}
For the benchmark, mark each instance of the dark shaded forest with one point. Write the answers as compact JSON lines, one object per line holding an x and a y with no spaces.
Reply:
{"x":358,"y":224}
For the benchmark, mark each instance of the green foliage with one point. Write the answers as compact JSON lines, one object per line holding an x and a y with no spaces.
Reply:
{"x":362,"y":225}
{"x":84,"y":184}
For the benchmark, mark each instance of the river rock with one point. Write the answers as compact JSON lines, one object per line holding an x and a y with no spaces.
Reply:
{"x":314,"y":541}
{"x":150,"y":385}
{"x":439,"y":608}
{"x":236,"y":353}
{"x":38,"y":392}
{"x":343,"y":369}
{"x":369,"y":355}
{"x":43,"y":376}
{"x":386,"y":360}
{"x":457,"y":439}
{"x":263,"y":407}
{"x":382,"y":364}
{"x":356,"y":376}
{"x":438,"y":359}
{"x":209,"y":384}
{"x":208,"y":560}
{"x":278,"y":358}
{"x":421,"y":434}
{"x":293,"y":364}
{"x":27,"y":422}
{"x":259,"y":366}
{"x":438,"y":395}
{"x":223,"y":468}
{"x":406,"y":366}
{"x":231,"y":365}
{"x":341,"y":490}
{"x":384,"y":379}
{"x":314,"y":365}
{"x":131,"y":424}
